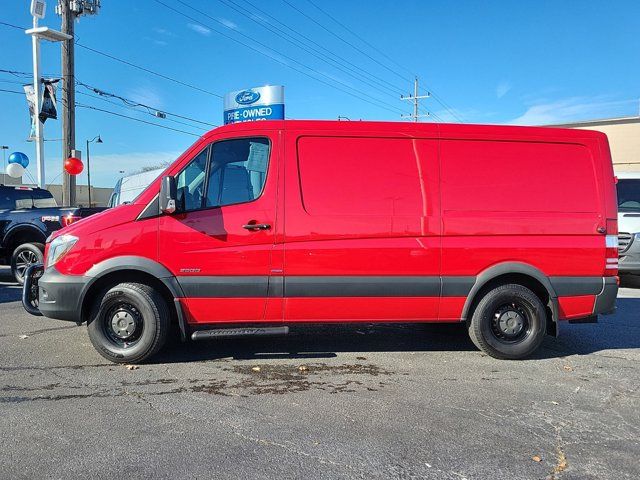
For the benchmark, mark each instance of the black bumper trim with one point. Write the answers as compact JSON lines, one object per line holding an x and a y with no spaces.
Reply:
{"x":60,"y":296}
{"x":605,"y":303}
{"x":29,"y":289}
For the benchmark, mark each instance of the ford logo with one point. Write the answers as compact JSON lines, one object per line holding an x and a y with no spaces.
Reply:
{"x":247,"y":97}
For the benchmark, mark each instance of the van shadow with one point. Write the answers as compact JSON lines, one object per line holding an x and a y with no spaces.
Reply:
{"x":619,"y":331}
{"x":326,"y":341}
{"x":613,"y":332}
{"x":10,"y":291}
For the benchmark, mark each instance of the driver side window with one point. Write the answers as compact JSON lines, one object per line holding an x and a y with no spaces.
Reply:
{"x":190,"y":182}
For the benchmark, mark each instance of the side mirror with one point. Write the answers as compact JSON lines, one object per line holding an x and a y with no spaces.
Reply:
{"x":168,"y":195}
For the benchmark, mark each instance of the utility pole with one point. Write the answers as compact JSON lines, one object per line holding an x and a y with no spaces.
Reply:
{"x":69,"y":10}
{"x":415,"y":98}
{"x":68,"y":102}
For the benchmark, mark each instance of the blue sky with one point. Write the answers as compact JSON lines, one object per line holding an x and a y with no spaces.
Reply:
{"x":524,"y":62}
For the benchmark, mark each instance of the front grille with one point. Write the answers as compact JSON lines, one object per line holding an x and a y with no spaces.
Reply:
{"x":624,"y":241}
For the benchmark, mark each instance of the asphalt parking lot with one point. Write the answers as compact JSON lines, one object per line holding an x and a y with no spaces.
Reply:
{"x":386,"y":401}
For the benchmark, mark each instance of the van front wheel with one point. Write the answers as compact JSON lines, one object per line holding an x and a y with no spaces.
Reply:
{"x":509,"y":322}
{"x":129,"y":323}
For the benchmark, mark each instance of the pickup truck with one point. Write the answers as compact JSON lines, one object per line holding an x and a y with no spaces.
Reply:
{"x":28,"y":215}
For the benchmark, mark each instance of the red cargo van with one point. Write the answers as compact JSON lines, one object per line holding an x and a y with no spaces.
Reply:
{"x":259,"y":226}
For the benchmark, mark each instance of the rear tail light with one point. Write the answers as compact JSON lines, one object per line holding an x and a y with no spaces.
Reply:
{"x":69,"y":219}
{"x":611,"y":255}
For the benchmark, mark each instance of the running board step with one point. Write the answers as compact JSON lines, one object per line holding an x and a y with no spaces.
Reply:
{"x":238,"y":332}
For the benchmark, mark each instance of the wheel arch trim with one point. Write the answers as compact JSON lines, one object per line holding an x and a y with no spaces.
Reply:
{"x":18,"y":229}
{"x":139,"y":264}
{"x":506,"y":268}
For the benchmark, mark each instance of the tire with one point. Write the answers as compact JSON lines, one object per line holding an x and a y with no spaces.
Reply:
{"x":23,"y":256}
{"x":509,"y":322}
{"x":129,"y":323}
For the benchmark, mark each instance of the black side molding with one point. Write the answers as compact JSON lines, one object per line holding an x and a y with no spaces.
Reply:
{"x":239,"y":332}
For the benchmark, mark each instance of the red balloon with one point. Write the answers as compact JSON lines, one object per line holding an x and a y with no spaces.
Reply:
{"x":73,"y":165}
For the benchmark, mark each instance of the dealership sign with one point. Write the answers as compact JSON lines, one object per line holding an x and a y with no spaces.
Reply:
{"x":261,"y":103}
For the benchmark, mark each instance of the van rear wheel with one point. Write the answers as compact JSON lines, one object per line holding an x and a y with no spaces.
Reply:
{"x":129,"y":323}
{"x":509,"y":322}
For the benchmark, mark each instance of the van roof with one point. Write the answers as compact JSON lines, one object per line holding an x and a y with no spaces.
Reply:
{"x":432,"y":129}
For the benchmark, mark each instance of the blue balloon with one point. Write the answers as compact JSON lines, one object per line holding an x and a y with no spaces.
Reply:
{"x":19,"y":157}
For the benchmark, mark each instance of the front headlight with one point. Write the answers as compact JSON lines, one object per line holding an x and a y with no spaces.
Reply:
{"x":59,"y":248}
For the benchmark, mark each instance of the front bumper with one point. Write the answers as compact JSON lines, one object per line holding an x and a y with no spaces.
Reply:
{"x":58,"y":296}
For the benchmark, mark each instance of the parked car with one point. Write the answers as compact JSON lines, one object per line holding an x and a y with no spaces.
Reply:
{"x":260,"y":226}
{"x":628,"y":188}
{"x":28,"y":216}
{"x":129,"y":187}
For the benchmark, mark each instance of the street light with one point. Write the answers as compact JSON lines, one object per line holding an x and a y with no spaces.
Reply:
{"x":4,"y":149}
{"x":38,"y":8}
{"x":96,"y":139}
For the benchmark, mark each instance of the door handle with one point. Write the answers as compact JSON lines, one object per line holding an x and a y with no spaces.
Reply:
{"x":256,"y":226}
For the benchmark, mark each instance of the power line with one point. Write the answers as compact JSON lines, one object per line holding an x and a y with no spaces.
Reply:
{"x":436,"y":97}
{"x":80,"y":105}
{"x":120,"y":105}
{"x":374,"y":102}
{"x":139,"y":67}
{"x":11,"y":91}
{"x":261,"y":52}
{"x":362,"y":39}
{"x":132,"y":104}
{"x":344,"y":41}
{"x":446,"y":106}
{"x":166,"y":77}
{"x":338,"y":62}
{"x":12,"y":26}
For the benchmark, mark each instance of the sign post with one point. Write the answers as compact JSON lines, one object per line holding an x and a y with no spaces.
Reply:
{"x":252,"y":104}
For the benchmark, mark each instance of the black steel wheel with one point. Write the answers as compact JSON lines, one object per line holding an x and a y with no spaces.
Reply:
{"x":129,"y":323}
{"x":23,"y":257}
{"x":509,"y":322}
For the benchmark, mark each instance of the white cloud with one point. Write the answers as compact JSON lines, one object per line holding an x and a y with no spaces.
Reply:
{"x":199,"y":29}
{"x":228,"y":23}
{"x":164,"y":31}
{"x":503,"y":88}
{"x":572,"y":109}
{"x":145,"y":95}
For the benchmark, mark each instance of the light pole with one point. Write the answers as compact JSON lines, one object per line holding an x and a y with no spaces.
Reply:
{"x":96,"y":139}
{"x":4,"y":149}
{"x":37,"y":11}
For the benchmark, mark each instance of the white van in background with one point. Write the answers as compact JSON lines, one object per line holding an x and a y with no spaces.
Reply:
{"x":628,"y":188}
{"x":130,"y":186}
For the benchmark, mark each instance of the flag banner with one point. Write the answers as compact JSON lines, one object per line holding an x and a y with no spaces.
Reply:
{"x":48,"y":109}
{"x":31,"y":101}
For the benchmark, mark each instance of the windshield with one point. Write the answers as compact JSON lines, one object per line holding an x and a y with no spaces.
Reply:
{"x":629,"y":195}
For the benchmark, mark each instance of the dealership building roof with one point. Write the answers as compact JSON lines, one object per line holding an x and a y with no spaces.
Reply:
{"x":624,"y":139}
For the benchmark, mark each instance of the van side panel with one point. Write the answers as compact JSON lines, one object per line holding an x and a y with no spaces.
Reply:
{"x":525,"y":201}
{"x":361,"y":228}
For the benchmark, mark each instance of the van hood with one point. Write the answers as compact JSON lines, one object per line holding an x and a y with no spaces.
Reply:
{"x":629,"y":222}
{"x":100,"y":221}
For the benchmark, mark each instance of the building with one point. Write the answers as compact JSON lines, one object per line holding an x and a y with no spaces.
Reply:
{"x":624,"y":139}
{"x":99,"y":195}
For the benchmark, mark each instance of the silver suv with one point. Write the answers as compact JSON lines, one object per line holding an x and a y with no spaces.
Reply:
{"x":629,"y":222}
